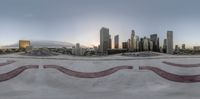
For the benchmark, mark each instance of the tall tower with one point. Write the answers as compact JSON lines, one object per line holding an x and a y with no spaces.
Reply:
{"x":129,"y":43}
{"x":137,"y":43}
{"x":145,"y":44}
{"x":133,"y":41}
{"x":154,"y":38}
{"x":165,"y":46}
{"x":169,"y":42}
{"x":110,"y":42}
{"x":77,"y":49}
{"x":104,"y":39}
{"x":116,"y":41}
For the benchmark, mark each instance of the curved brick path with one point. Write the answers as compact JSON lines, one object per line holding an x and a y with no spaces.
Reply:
{"x":172,"y":77}
{"x":181,"y":65}
{"x":88,"y":75}
{"x":7,"y":63}
{"x":15,"y":72}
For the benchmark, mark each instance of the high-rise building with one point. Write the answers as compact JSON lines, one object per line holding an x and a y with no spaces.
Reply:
{"x":104,"y":40}
{"x":125,"y":45}
{"x":141,"y":44}
{"x":73,"y":50}
{"x":129,"y":44}
{"x":183,"y":46}
{"x":137,"y":43}
{"x":169,"y":42}
{"x":23,"y":44}
{"x":133,"y":41}
{"x":77,"y":49}
{"x":150,"y":45}
{"x":116,"y":41}
{"x":145,"y":44}
{"x":110,"y":42}
{"x":154,"y":38}
{"x":165,"y":46}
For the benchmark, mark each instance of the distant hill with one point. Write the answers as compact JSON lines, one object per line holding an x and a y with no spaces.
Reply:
{"x":45,"y":43}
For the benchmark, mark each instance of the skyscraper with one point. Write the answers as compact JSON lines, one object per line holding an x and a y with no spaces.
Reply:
{"x":110,"y":42}
{"x":137,"y":43}
{"x":141,"y":44}
{"x":104,"y":40}
{"x":169,"y":42}
{"x":133,"y":41}
{"x":77,"y":49}
{"x":154,"y":38}
{"x":129,"y":43}
{"x":145,"y":44}
{"x":165,"y":46}
{"x":116,"y":41}
{"x":150,"y":45}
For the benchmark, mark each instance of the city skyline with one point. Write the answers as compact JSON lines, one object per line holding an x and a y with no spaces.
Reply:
{"x":76,"y":20}
{"x":113,"y":37}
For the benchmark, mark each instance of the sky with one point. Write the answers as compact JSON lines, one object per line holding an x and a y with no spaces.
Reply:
{"x":79,"y":21}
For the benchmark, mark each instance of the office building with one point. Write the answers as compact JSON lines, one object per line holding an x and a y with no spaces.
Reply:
{"x":169,"y":42}
{"x":165,"y":46}
{"x":23,"y":44}
{"x":77,"y":49}
{"x":137,"y":43}
{"x":104,"y":40}
{"x":125,"y":45}
{"x":116,"y":41}
{"x":145,"y":44}
{"x":141,"y":44}
{"x":150,"y":45}
{"x":129,"y":44}
{"x":110,"y":42}
{"x":154,"y":38}
{"x":133,"y":41}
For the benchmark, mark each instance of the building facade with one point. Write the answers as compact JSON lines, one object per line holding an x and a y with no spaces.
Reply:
{"x":129,"y":44}
{"x":110,"y":42}
{"x":177,"y":49}
{"x":133,"y":41}
{"x":124,"y":45}
{"x":137,"y":43}
{"x":104,"y":40}
{"x":145,"y":44}
{"x":154,"y":38}
{"x":165,"y":46}
{"x":116,"y":38}
{"x":23,"y":44}
{"x":150,"y":45}
{"x":169,"y":42}
{"x":77,"y":49}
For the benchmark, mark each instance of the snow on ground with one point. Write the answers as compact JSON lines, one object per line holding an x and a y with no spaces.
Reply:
{"x":124,"y":84}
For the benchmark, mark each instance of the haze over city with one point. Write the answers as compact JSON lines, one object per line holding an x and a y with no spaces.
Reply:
{"x":80,"y":20}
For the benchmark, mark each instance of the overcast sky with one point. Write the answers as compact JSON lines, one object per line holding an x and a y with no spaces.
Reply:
{"x":80,"y":20}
